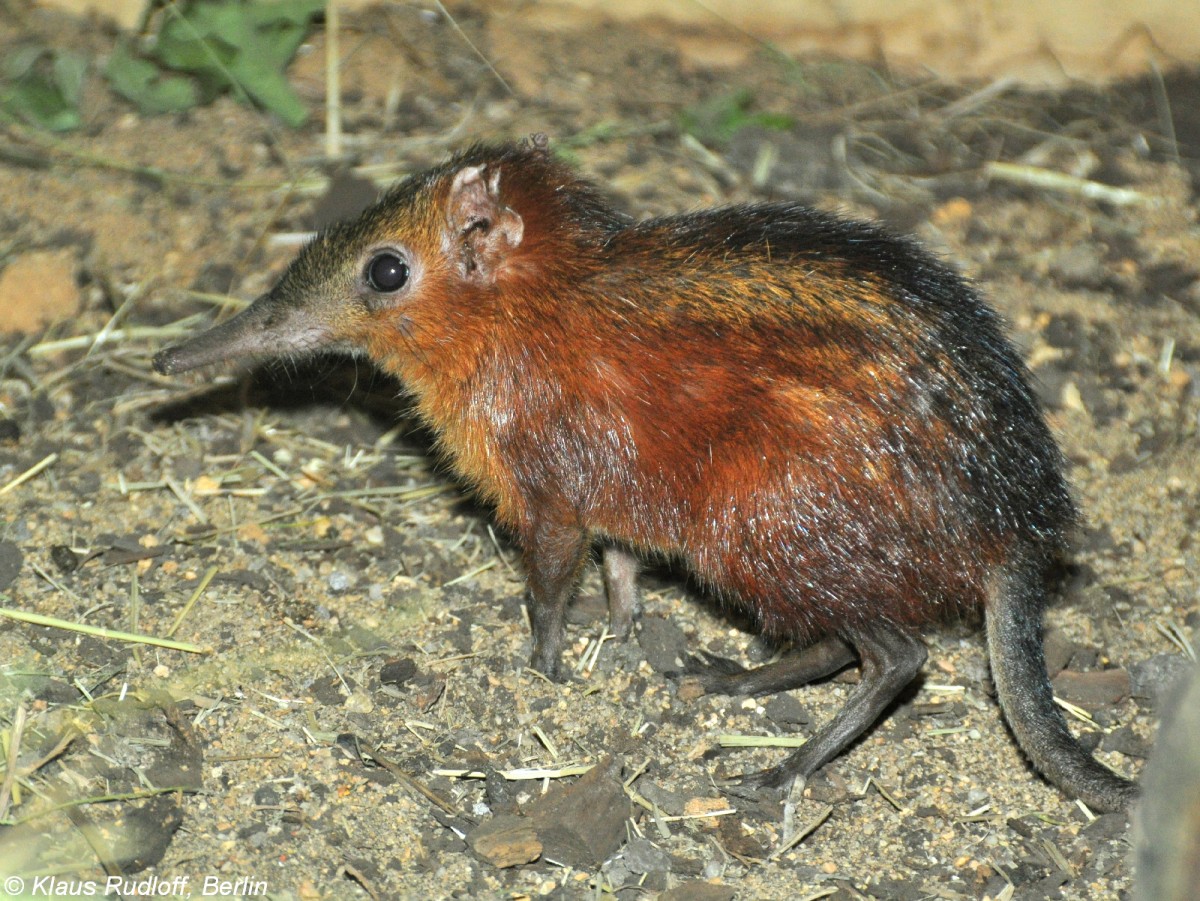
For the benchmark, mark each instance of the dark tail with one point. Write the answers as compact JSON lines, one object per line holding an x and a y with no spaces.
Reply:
{"x":1014,"y":633}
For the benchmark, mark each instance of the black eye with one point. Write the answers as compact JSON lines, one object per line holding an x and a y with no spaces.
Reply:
{"x":387,"y":272}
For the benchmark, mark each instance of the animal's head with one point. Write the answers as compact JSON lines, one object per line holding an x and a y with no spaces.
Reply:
{"x":425,"y":262}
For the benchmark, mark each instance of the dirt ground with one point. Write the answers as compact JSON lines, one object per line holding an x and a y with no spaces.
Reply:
{"x":363,"y":623}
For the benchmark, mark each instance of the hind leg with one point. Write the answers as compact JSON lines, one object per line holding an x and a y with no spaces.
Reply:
{"x":891,"y":657}
{"x":720,"y":676}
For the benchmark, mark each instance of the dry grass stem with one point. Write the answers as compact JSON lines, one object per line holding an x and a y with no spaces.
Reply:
{"x":521,"y":774}
{"x":28,"y":474}
{"x":132,"y":333}
{"x":471,"y":574}
{"x":1050,"y":180}
{"x":545,"y":740}
{"x":14,"y":751}
{"x":101,"y":799}
{"x":191,"y":602}
{"x":347,"y":869}
{"x":333,"y":83}
{"x":802,"y":833}
{"x":1174,"y":634}
{"x":887,"y":796}
{"x":1079,"y":713}
{"x":53,"y":622}
{"x":466,"y":40}
{"x":760,"y":741}
{"x":186,"y":499}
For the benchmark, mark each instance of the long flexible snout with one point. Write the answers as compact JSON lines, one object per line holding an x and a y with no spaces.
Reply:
{"x":265,"y":328}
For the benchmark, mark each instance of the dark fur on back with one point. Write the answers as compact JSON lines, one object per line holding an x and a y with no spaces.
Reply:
{"x":826,"y":424}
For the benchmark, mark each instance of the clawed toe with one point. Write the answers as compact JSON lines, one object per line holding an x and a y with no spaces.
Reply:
{"x":702,"y":663}
{"x":773,"y":782}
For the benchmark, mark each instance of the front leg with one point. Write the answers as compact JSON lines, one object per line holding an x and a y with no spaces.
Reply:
{"x":620,"y":582}
{"x":554,"y":555}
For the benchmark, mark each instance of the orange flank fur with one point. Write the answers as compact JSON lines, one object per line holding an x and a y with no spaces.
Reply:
{"x":819,"y":421}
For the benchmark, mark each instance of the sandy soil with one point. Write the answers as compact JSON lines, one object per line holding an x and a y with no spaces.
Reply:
{"x":360,"y":609}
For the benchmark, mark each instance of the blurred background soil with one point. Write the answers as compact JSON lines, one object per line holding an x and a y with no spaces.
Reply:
{"x":361,"y":624}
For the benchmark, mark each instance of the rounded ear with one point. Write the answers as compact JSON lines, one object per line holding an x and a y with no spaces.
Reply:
{"x":482,"y":230}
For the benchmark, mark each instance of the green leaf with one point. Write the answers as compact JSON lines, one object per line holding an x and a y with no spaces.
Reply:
{"x":716,"y":120}
{"x":238,"y":46}
{"x":44,"y":87}
{"x":22,"y":60}
{"x":143,"y":83}
{"x":68,"y":71}
{"x":270,"y":90}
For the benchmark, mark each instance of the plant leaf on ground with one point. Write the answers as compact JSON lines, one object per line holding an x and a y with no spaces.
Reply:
{"x":716,"y":120}
{"x":223,"y":45}
{"x":41,"y":86}
{"x":144,"y":83}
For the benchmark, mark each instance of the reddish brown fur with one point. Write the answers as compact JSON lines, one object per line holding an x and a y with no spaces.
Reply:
{"x":824,"y":424}
{"x":693,"y":386}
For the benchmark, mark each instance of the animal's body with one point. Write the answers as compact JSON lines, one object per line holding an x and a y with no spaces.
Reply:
{"x":820,"y":421}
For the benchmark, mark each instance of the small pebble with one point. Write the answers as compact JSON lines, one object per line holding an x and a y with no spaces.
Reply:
{"x":643,"y":856}
{"x":397,"y":672}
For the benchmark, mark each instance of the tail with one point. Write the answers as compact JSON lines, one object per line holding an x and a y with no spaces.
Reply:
{"x":1014,"y":634}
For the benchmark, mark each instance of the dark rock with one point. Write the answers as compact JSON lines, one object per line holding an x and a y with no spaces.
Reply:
{"x":896,"y":890}
{"x":1154,"y":679}
{"x":785,"y":710}
{"x":499,"y":793}
{"x":583,"y":824}
{"x":64,"y":559}
{"x":11,"y":559}
{"x":1020,"y":827}
{"x":55,"y":691}
{"x":1107,"y":826}
{"x":329,"y":690}
{"x":1085,"y":659}
{"x":506,"y":841}
{"x":643,"y":856}
{"x":148,"y":827}
{"x":736,"y":840}
{"x":664,"y":645}
{"x":397,"y":672}
{"x":669,"y":802}
{"x":1059,"y":650}
{"x":1126,"y":741}
{"x":579,"y":825}
{"x":1045,"y":888}
{"x":826,"y":787}
{"x":698,"y":890}
{"x":1099,"y":688}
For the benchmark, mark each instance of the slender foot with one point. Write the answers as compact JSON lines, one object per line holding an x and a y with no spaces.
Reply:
{"x":620,"y":581}
{"x":891,"y":659}
{"x":718,"y":675}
